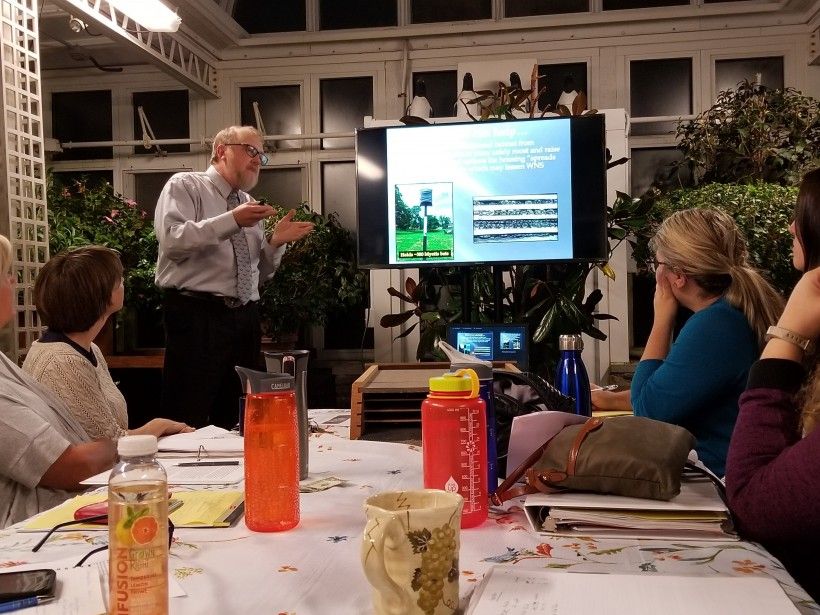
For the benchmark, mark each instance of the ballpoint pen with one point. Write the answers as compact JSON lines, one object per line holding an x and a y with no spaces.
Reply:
{"x":23,"y":603}
{"x":196,"y":464}
{"x":609,"y":387}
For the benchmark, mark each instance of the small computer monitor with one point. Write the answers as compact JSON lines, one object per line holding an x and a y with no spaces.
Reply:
{"x":491,"y":342}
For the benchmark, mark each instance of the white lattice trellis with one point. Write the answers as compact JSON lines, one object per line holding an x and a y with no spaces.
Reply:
{"x":22,"y":167}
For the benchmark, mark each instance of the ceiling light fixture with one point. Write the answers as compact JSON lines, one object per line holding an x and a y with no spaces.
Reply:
{"x":76,"y":25}
{"x":150,"y":14}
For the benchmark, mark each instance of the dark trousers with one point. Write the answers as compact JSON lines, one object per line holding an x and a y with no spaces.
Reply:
{"x":204,"y":340}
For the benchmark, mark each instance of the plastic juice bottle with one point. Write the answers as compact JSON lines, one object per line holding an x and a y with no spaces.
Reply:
{"x":138,"y":530}
{"x":271,"y":461}
{"x":454,"y":442}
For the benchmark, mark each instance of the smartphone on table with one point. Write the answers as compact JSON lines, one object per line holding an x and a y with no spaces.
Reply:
{"x":27,"y":584}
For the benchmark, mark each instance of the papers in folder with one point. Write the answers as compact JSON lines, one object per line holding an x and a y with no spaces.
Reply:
{"x":193,"y":473}
{"x":199,"y":509}
{"x":208,"y":441}
{"x":696,"y":513}
{"x":513,"y":591}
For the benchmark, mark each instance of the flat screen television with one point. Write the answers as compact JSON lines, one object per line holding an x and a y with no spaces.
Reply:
{"x":491,"y":342}
{"x":482,"y":193}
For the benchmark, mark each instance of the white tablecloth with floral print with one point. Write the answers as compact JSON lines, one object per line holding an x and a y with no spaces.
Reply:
{"x":315,"y":569}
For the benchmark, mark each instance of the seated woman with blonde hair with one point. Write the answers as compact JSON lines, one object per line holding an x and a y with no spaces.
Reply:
{"x":44,"y":452}
{"x":75,"y":293}
{"x":701,"y":263}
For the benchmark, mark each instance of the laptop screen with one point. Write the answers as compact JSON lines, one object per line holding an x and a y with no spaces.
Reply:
{"x":491,"y":342}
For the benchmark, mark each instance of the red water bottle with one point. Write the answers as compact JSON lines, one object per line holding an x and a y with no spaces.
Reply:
{"x":271,"y":452}
{"x":454,"y":442}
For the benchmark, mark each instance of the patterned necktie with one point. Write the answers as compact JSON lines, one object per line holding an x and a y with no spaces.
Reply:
{"x":242,"y":255}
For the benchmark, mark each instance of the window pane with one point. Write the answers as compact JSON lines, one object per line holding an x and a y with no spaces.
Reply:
{"x":339,"y":192}
{"x":660,"y":87}
{"x":278,"y":16}
{"x":431,"y":11}
{"x":280,"y":186}
{"x":335,"y":15}
{"x":147,"y":187}
{"x":281,"y":110}
{"x":441,"y":87}
{"x":82,"y":116}
{"x":345,"y":102}
{"x":167,"y":114}
{"x":728,"y":73}
{"x":559,"y":77}
{"x":344,"y":329}
{"x":614,"y":5}
{"x":651,"y":164}
{"x":91,"y":179}
{"x":524,"y":8}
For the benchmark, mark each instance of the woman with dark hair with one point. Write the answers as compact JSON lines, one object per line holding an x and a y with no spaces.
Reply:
{"x":772,"y":477}
{"x":44,"y":452}
{"x":75,"y":293}
{"x":806,"y":225}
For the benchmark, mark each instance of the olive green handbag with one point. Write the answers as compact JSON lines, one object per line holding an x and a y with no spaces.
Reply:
{"x":623,"y":455}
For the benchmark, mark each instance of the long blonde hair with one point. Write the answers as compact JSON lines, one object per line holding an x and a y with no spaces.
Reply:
{"x":707,"y":246}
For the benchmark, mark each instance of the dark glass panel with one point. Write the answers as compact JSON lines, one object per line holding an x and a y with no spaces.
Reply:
{"x":345,"y":102}
{"x":279,"y":16}
{"x":79,"y":117}
{"x":339,"y":192}
{"x":335,"y":15}
{"x":432,"y":11}
{"x":728,"y":73}
{"x":615,"y":5}
{"x":554,"y":77}
{"x":526,"y":8}
{"x":147,"y":187}
{"x":652,"y":164}
{"x":660,"y":87}
{"x":280,"y":186}
{"x":281,"y":109}
{"x":442,"y":90}
{"x":91,"y":179}
{"x":167,"y":113}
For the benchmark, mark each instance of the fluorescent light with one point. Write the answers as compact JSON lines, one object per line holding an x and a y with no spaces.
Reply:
{"x":150,"y":14}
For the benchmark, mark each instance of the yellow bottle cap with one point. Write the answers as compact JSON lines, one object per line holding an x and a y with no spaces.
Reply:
{"x":463,"y":380}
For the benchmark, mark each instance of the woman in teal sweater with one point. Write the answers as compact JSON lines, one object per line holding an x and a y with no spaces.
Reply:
{"x":701,"y":263}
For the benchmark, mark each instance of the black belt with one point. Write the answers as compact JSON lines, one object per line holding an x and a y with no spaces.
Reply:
{"x":229,"y":302}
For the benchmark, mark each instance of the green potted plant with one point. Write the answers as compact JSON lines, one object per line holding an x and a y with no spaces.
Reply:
{"x":753,"y":134}
{"x":748,"y":153}
{"x":317,"y":277}
{"x":83,"y":213}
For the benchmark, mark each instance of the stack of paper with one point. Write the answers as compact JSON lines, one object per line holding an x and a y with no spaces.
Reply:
{"x":208,"y":442}
{"x":696,"y":513}
{"x":509,"y":590}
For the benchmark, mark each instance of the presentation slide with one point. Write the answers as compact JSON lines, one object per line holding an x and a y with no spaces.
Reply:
{"x":480,"y":192}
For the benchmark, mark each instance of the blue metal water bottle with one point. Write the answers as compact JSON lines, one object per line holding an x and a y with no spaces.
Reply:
{"x":485,"y":392}
{"x":571,"y":376}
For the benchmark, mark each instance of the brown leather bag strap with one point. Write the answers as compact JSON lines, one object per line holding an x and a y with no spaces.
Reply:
{"x":506,"y":490}
{"x":587,"y":428}
{"x":540,"y":482}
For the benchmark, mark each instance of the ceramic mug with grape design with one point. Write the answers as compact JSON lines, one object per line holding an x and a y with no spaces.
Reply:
{"x":410,"y":551}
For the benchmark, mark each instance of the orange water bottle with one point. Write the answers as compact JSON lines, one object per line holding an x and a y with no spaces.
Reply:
{"x":454,"y":441}
{"x":271,"y":452}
